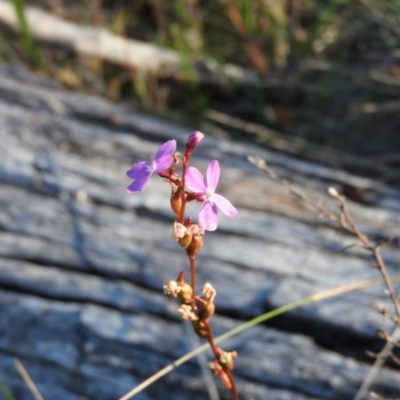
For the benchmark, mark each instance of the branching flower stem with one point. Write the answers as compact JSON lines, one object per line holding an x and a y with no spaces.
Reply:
{"x":188,"y":186}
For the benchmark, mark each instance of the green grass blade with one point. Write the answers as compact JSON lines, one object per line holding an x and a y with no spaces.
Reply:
{"x":5,"y":392}
{"x":27,"y":38}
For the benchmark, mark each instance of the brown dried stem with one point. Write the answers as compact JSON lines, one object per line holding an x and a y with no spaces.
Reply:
{"x":192,"y":262}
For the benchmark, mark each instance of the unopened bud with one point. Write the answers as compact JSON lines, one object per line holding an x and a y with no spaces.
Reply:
{"x":176,"y":200}
{"x":210,"y":307}
{"x":185,"y":290}
{"x":206,"y":310}
{"x":185,"y":241}
{"x":194,"y":138}
{"x":179,"y":289}
{"x":201,"y":329}
{"x":181,"y":234}
{"x":195,"y":246}
{"x":226,"y":359}
{"x":186,"y":293}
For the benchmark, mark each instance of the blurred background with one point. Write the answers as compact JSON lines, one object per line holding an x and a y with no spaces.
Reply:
{"x":307,"y":71}
{"x":319,"y":80}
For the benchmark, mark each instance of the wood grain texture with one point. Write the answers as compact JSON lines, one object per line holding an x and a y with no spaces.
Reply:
{"x":82,"y":264}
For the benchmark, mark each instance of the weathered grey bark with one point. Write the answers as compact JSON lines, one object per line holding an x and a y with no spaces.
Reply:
{"x":82,"y":264}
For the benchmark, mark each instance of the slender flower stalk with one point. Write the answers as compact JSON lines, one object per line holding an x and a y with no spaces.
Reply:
{"x":189,"y":186}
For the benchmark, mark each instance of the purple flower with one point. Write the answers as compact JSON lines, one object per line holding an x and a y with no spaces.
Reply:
{"x":208,"y":217}
{"x":142,"y":171}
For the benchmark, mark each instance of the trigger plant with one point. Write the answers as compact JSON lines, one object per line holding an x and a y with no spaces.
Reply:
{"x":188,"y":184}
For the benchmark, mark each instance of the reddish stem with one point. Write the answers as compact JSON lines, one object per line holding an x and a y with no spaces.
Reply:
{"x":193,"y":274}
{"x":217,"y":354}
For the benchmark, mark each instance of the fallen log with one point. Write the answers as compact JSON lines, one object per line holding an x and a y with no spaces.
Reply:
{"x":82,"y":264}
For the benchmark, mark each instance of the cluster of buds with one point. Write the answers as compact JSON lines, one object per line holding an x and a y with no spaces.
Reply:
{"x":180,"y":289}
{"x":189,"y":237}
{"x":188,"y":186}
{"x":196,"y":309}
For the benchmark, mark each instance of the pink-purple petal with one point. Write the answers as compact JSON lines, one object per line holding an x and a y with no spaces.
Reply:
{"x":163,"y":163}
{"x":213,"y":171}
{"x":142,"y":171}
{"x":138,"y":170}
{"x":138,"y":184}
{"x":195,"y":180}
{"x":208,"y":216}
{"x":167,"y":149}
{"x":225,"y":205}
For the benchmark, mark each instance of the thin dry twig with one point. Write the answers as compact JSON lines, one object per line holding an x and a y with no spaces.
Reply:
{"x":347,"y":223}
{"x":375,"y":368}
{"x":28,"y":380}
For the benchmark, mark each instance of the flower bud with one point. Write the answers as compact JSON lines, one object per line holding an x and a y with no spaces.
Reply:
{"x":182,"y":234}
{"x":206,"y":310}
{"x":195,"y":246}
{"x":194,"y":139}
{"x":180,"y":289}
{"x":201,"y":329}
{"x":210,"y":309}
{"x":176,"y":200}
{"x":186,"y":293}
{"x":226,"y":359}
{"x":185,"y":241}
